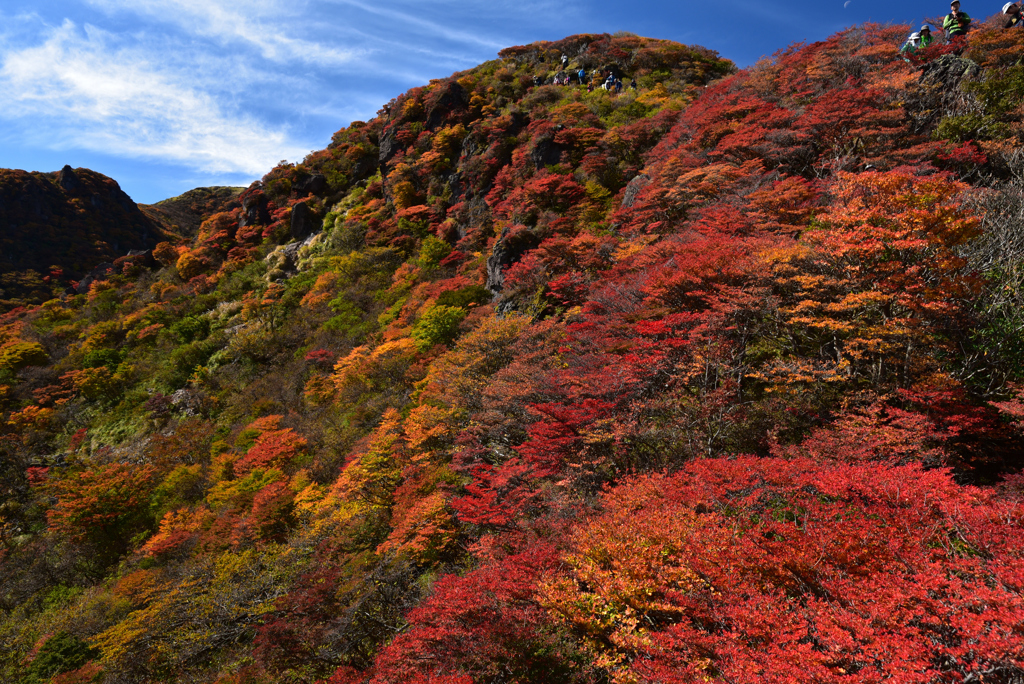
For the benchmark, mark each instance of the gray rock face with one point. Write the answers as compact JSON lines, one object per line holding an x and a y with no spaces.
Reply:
{"x":304,"y":222}
{"x":100,"y":271}
{"x":283,"y":262}
{"x":939,"y":92}
{"x":365,"y":167}
{"x":388,"y":146}
{"x":143,"y":256}
{"x":633,"y":189}
{"x":188,"y":402}
{"x":507,"y":250}
{"x":545,"y":151}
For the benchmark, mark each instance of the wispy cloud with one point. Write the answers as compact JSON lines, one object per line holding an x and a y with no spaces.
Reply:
{"x":268,"y":25}
{"x":79,"y":90}
{"x":417,"y":20}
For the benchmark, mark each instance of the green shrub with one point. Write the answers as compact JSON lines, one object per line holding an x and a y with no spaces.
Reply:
{"x":191,"y":328}
{"x":61,"y":653}
{"x":348,"y":320}
{"x":432,"y":250}
{"x":474,"y":295}
{"x":20,"y":355}
{"x":98,"y":358}
{"x":185,"y":359}
{"x":438,"y":325}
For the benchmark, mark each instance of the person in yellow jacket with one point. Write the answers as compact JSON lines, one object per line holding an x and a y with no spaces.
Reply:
{"x":956,"y":22}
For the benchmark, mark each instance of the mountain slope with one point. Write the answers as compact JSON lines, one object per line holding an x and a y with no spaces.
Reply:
{"x":181,"y":216}
{"x":713,"y":380}
{"x":70,"y":221}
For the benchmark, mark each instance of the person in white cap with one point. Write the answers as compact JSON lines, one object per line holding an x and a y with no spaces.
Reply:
{"x":1012,"y":15}
{"x":910,"y":47}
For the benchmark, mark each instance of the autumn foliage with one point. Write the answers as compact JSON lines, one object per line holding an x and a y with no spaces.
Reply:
{"x":714,"y":380}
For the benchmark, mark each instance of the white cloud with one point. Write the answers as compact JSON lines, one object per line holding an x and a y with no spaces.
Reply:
{"x":267,"y":25}
{"x":79,"y":89}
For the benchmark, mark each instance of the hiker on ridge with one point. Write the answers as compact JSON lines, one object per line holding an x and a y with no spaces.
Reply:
{"x":909,"y":47}
{"x":1012,"y":15}
{"x":926,"y":36}
{"x":955,"y":23}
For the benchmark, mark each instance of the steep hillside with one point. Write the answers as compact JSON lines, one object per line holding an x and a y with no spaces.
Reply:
{"x":181,"y":216}
{"x":716,"y":379}
{"x":59,"y":226}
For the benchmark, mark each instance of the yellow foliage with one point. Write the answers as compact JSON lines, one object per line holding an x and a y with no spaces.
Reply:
{"x":371,"y":477}
{"x":404,"y":194}
{"x":212,"y":605}
{"x":385,"y":364}
{"x":621,"y":568}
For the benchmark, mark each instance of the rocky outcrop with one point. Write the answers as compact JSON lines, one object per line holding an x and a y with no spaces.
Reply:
{"x":98,"y":273}
{"x":545,"y":151}
{"x":254,"y":210}
{"x":939,"y":93}
{"x":507,"y":250}
{"x":309,"y":184}
{"x":633,"y":189}
{"x":949,"y":71}
{"x":389,"y":145}
{"x":67,"y":179}
{"x":446,"y":103}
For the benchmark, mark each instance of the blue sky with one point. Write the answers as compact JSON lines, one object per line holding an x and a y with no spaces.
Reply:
{"x":167,"y":95}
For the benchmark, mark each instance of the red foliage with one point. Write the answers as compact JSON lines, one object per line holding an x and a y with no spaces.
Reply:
{"x":790,"y":570}
{"x":104,"y":505}
{"x":483,"y":626}
{"x":273,"y":449}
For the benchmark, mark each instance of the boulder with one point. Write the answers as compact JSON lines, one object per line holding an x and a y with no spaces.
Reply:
{"x":309,"y":184}
{"x":304,"y":222}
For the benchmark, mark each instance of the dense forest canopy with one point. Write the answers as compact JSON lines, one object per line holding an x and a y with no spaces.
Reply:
{"x":714,"y":378}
